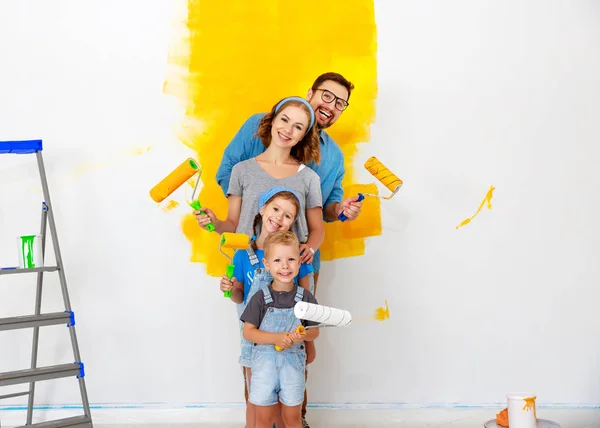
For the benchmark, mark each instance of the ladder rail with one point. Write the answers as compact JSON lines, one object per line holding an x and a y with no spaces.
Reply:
{"x":37,"y":311}
{"x":61,"y":276}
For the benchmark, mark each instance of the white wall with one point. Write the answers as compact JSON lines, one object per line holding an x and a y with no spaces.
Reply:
{"x":471,"y":94}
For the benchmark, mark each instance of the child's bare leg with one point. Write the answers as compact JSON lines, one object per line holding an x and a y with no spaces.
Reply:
{"x":250,"y":408}
{"x":278,"y":421}
{"x":292,"y":416}
{"x":265,"y":416}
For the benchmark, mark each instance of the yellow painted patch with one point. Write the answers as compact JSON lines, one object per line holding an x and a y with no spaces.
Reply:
{"x":382,"y":314}
{"x":488,"y":199}
{"x":236,"y":58}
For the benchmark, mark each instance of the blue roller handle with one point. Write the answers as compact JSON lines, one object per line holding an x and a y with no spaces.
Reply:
{"x":342,"y":216}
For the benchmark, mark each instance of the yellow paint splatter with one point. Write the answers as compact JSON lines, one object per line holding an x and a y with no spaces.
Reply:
{"x":87,"y":167}
{"x":171,"y":204}
{"x":382,"y":314}
{"x":488,"y":199}
{"x":225,"y":73}
{"x":136,"y":151}
{"x":530,"y":405}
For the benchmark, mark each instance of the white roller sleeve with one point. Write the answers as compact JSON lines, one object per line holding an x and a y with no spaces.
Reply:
{"x":322,"y":314}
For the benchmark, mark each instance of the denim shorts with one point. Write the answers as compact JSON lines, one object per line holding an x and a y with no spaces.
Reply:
{"x":277,"y":375}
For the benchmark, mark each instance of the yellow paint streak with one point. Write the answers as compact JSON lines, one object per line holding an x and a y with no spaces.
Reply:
{"x":171,"y":204}
{"x":89,"y":166}
{"x":488,"y":199}
{"x":382,"y":314}
{"x":227,"y":66}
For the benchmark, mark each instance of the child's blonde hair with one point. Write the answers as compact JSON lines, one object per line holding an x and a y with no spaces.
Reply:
{"x":281,"y":237}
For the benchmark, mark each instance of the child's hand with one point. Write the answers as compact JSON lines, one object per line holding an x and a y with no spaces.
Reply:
{"x":206,"y":218}
{"x":296,"y":337}
{"x":283,"y":341}
{"x":306,"y":256}
{"x":226,"y":284}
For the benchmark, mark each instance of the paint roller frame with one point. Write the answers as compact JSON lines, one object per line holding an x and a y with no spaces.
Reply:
{"x":230,"y":240}
{"x":175,"y":179}
{"x":369,"y":165}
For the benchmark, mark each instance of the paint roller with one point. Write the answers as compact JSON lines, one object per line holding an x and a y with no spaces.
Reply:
{"x":324,"y":316}
{"x":234,"y":241}
{"x":384,"y":175}
{"x":176,"y":178}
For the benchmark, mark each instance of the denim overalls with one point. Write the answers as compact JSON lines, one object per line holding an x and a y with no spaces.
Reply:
{"x":261,"y":277}
{"x":278,"y":374}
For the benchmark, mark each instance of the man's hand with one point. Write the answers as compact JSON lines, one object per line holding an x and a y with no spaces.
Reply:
{"x":350,"y":207}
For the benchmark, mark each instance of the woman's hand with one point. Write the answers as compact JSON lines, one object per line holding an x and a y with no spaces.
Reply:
{"x":205,"y":216}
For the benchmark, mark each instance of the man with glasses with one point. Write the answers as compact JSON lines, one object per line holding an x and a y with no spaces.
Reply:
{"x":328,"y":97}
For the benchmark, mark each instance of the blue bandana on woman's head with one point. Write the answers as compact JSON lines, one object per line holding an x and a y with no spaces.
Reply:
{"x":306,"y":103}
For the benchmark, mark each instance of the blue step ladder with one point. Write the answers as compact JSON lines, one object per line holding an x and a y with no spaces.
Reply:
{"x":37,"y":320}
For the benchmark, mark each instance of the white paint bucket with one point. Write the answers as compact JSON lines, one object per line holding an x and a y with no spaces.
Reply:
{"x":30,"y":251}
{"x":521,"y":410}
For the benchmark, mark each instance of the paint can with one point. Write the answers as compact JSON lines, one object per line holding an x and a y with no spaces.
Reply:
{"x":30,"y":251}
{"x":521,"y":410}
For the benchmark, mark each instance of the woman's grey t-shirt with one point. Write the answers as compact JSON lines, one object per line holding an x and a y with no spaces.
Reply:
{"x":249,"y":180}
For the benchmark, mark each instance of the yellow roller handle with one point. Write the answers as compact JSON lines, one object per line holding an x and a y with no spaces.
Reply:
{"x":299,"y":329}
{"x":176,"y":178}
{"x":381,"y":173}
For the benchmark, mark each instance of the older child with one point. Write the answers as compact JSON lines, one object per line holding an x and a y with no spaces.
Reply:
{"x":278,"y":209}
{"x":269,"y":320}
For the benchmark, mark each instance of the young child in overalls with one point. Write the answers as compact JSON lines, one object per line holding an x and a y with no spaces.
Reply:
{"x":269,"y":320}
{"x":278,"y":209}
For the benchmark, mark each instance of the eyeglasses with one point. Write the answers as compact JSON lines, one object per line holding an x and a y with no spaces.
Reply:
{"x":329,"y":96}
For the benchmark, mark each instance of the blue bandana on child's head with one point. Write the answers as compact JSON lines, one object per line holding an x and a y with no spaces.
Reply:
{"x":264,"y":197}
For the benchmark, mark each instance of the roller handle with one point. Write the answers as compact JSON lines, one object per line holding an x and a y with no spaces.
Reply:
{"x":342,"y":216}
{"x":230,"y":269}
{"x":196,"y":205}
{"x":299,"y":329}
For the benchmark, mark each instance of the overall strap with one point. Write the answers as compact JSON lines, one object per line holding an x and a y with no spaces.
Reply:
{"x":268,"y":298}
{"x":252,"y":255}
{"x":299,"y":294}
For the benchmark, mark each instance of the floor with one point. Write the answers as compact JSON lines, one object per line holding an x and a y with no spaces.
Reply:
{"x":317,"y":418}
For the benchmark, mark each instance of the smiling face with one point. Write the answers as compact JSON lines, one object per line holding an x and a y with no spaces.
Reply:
{"x":289,"y":126}
{"x":278,"y":214}
{"x":282,"y":260}
{"x":326,"y":112}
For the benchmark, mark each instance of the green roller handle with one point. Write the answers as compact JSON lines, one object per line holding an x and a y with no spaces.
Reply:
{"x":230,"y":269}
{"x":196,"y":205}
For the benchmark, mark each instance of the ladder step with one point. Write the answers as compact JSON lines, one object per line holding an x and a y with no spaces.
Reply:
{"x":16,"y":394}
{"x":20,"y":147}
{"x":27,"y":321}
{"x":41,"y":373}
{"x":74,"y":422}
{"x":12,"y":270}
